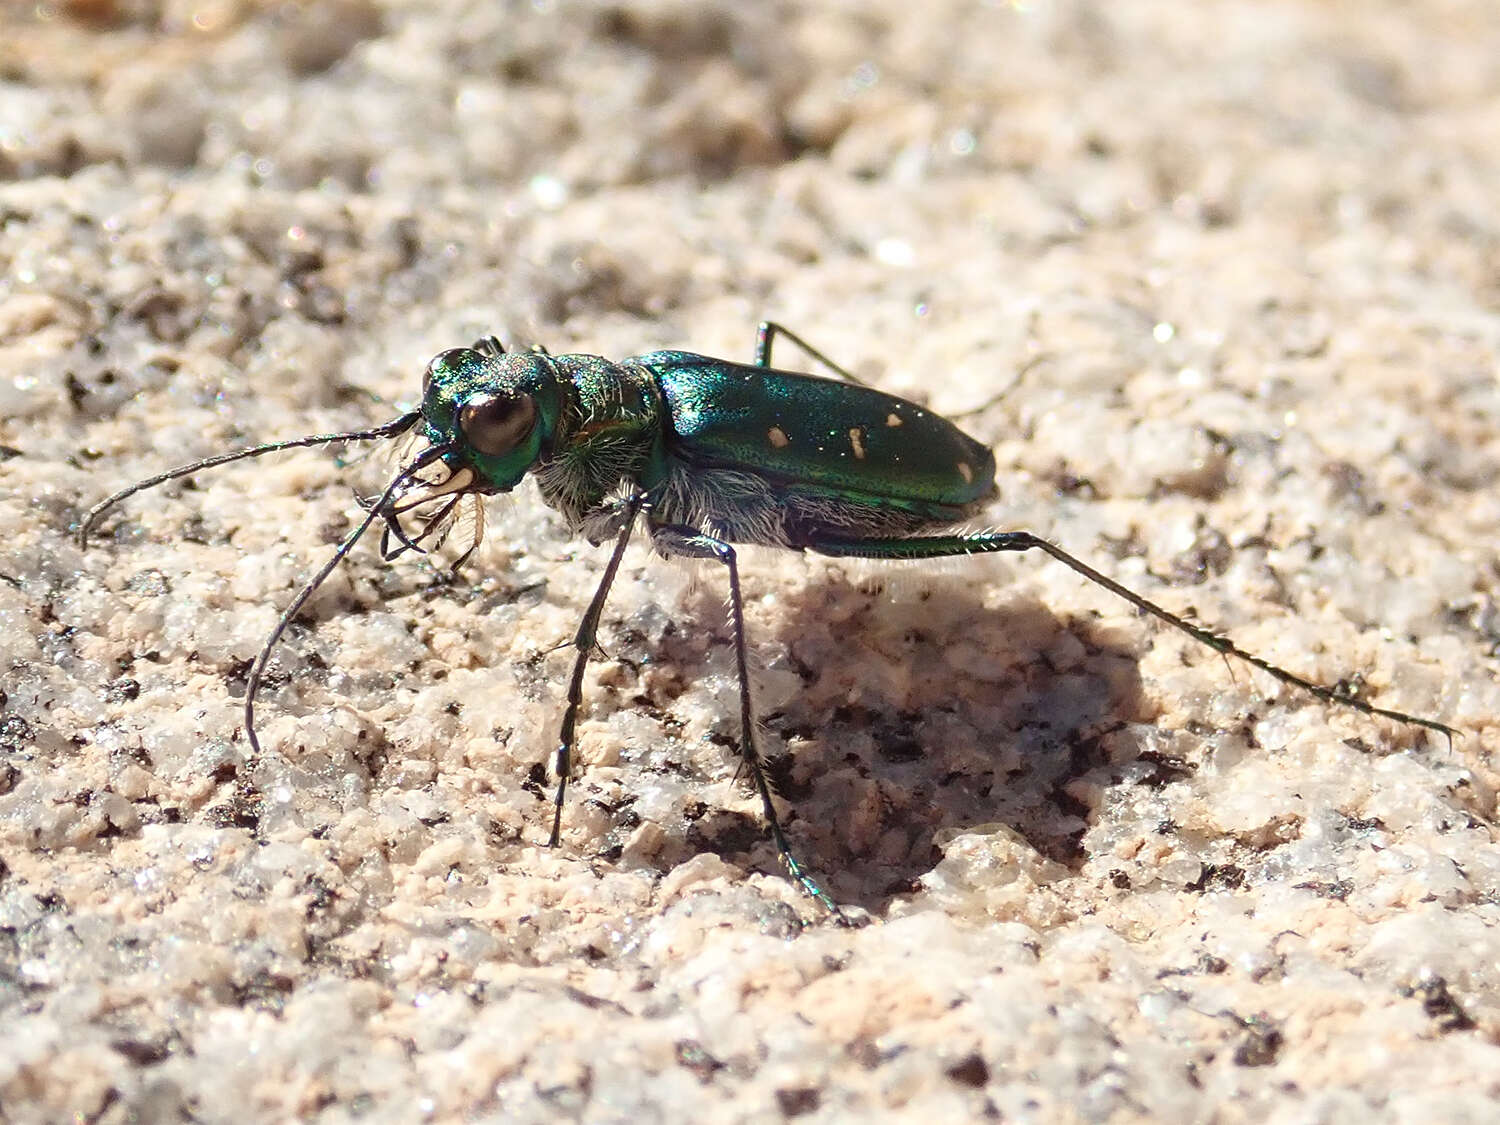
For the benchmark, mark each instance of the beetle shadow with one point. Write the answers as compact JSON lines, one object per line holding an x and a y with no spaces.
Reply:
{"x":922,"y":710}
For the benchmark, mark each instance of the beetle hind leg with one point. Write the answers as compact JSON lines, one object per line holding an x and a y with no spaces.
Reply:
{"x":985,"y":542}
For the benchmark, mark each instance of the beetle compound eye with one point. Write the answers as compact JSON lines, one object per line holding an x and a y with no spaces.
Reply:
{"x":495,"y":424}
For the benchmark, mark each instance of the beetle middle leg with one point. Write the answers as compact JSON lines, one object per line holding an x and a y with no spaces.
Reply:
{"x":689,"y":542}
{"x":767,"y":332}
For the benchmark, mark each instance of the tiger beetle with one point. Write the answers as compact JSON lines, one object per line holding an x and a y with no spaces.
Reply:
{"x":710,"y":454}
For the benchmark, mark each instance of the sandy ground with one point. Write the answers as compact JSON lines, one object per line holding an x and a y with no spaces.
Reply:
{"x":1247,"y":255}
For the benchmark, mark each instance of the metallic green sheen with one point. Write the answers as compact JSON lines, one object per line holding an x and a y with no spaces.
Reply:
{"x":598,"y":423}
{"x":456,"y":376}
{"x":798,"y":427}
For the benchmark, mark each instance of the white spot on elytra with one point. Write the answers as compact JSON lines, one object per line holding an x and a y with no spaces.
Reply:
{"x":893,"y":420}
{"x":778,"y":437}
{"x":966,"y":471}
{"x":857,"y":442}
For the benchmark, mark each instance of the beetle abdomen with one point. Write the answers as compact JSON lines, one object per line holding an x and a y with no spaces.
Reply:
{"x":837,"y":440}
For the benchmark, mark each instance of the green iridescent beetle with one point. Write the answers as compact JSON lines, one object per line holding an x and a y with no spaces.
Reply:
{"x":710,"y":454}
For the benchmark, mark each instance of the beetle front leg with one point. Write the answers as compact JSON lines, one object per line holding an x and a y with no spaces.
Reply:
{"x":689,"y":542}
{"x":585,"y":641}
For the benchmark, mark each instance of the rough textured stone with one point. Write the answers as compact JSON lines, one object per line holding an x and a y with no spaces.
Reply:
{"x":1218,"y":283}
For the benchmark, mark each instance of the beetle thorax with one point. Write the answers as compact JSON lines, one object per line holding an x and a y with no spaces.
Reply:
{"x":608,"y":435}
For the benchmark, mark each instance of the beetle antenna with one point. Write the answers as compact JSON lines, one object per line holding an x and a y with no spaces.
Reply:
{"x":376,"y":510}
{"x":390,"y":429}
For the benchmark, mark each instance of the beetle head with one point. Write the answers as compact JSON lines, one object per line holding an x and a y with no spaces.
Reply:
{"x":495,"y":413}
